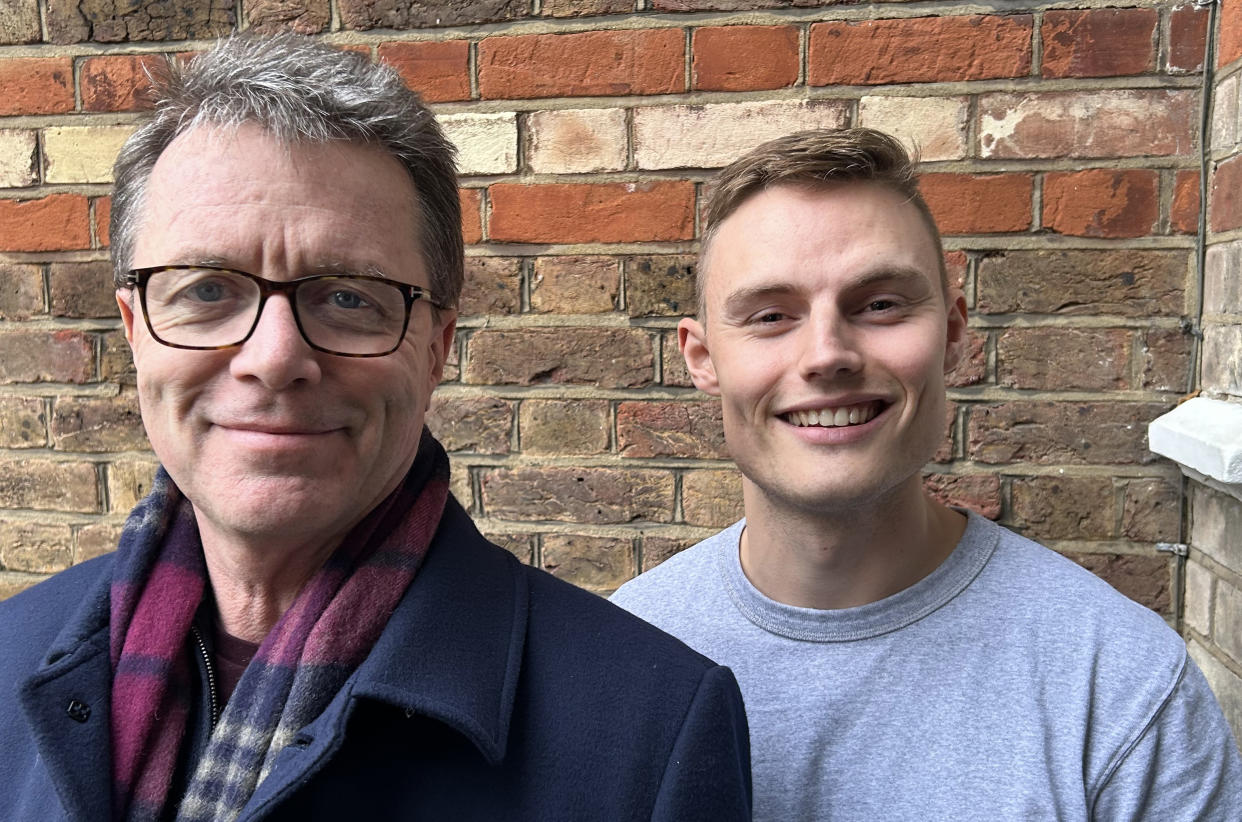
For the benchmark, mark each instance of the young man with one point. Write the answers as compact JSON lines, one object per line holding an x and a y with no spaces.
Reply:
{"x":899,"y":659}
{"x":300,"y":622}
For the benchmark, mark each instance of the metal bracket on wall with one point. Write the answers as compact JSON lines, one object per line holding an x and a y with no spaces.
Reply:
{"x":1180,"y":549}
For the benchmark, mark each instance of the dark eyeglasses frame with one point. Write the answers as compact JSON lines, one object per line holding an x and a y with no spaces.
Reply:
{"x":138,"y":278}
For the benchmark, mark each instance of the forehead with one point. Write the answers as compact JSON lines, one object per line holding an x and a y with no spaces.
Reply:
{"x":821,"y":236}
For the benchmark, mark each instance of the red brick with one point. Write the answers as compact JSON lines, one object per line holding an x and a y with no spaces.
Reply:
{"x":1229,"y":24}
{"x":980,"y":493}
{"x":744,"y":58}
{"x":300,"y":16}
{"x":115,"y":83}
{"x":1051,"y":433}
{"x":36,"y":85}
{"x":643,"y":61}
{"x":493,"y":286}
{"x":972,"y":368}
{"x":1184,"y":210}
{"x":1146,"y":580}
{"x":21,"y":291}
{"x":1164,"y":354}
{"x":103,"y":213}
{"x":671,"y":429}
{"x":57,"y":222}
{"x":1060,"y":359}
{"x":592,"y":213}
{"x":979,"y":203}
{"x":575,"y":285}
{"x":1225,"y":199}
{"x":674,"y":364}
{"x":1152,"y":511}
{"x":1099,"y":42}
{"x":1063,"y":507}
{"x":604,"y":357}
{"x":1187,"y":37}
{"x":438,"y":71}
{"x":471,"y":221}
{"x":919,"y":50}
{"x":948,"y":446}
{"x":480,"y":425}
{"x":46,"y":356}
{"x":1101,"y":202}
{"x":412,"y":16}
{"x":1116,"y":123}
{"x":955,"y":263}
{"x":82,"y":289}
{"x":589,"y":495}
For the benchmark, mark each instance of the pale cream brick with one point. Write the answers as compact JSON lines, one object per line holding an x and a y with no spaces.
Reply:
{"x":128,"y":482}
{"x":1198,"y":610}
{"x":82,"y":154}
{"x":1222,"y":358}
{"x":932,"y":127}
{"x":1225,"y":114}
{"x":1216,"y":521}
{"x":576,"y":141}
{"x":486,"y":143}
{"x":714,"y":135}
{"x":17,"y":158}
{"x":1222,"y":286}
{"x":1228,"y":620}
{"x":1224,"y":683}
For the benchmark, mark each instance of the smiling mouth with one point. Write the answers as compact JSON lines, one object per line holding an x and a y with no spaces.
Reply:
{"x":839,"y":417}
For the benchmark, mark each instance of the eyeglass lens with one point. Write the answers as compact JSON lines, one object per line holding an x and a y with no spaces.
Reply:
{"x":210,"y":308}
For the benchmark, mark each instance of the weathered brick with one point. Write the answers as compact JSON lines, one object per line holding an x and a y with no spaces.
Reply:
{"x":596,"y":563}
{"x":711,"y":498}
{"x":23,"y":422}
{"x":21,"y":291}
{"x":714,"y":135}
{"x":919,"y":50}
{"x":1164,"y":354}
{"x":471,"y":221}
{"x":591,"y":63}
{"x":1184,"y":210}
{"x":1079,"y":508}
{"x":1229,"y":45}
{"x":1225,"y":199}
{"x":1222,"y":287}
{"x":674,"y":370}
{"x":1228,"y":619}
{"x":671,"y":429}
{"x":36,"y":85}
{"x":1117,"y":123}
{"x":575,"y":285}
{"x":19,"y":158}
{"x":1084,"y":433}
{"x":657,"y":549}
{"x":1101,"y":202}
{"x":972,"y":368}
{"x":1146,"y":580}
{"x":129,"y":480}
{"x":82,"y":154}
{"x":955,"y":264}
{"x":493,"y":286}
{"x":98,"y":424}
{"x":980,"y":493}
{"x":1221,"y":368}
{"x":563,"y":426}
{"x":103,"y":210}
{"x":486,"y":143}
{"x":57,"y":222}
{"x":408,"y":15}
{"x":452,"y":364}
{"x":1151,"y":511}
{"x":35,"y":547}
{"x":606,"y":357}
{"x":460,"y":481}
{"x":96,"y":540}
{"x":932,"y":128}
{"x":82,"y":289}
{"x":584,"y":8}
{"x":116,"y":360}
{"x":48,"y":485}
{"x":46,"y":356}
{"x":73,"y":21}
{"x":744,"y":58}
{"x":576,"y":141}
{"x":586,"y":495}
{"x":1216,"y":521}
{"x":1197,"y":611}
{"x":979,"y":203}
{"x":1058,"y":359}
{"x":301,"y":16}
{"x":1187,"y":38}
{"x":19,"y":24}
{"x":1225,"y":102}
{"x":947,"y":451}
{"x":116,"y":82}
{"x":1129,"y":283}
{"x":521,"y":546}
{"x":1099,"y":42}
{"x":477,"y":424}
{"x":660,"y":286}
{"x":437,"y":70}
{"x":592,"y":213}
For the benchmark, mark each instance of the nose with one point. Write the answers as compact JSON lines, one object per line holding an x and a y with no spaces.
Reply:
{"x":829,"y":348}
{"x":276,"y":354}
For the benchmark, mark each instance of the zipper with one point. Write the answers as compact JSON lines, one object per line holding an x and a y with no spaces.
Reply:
{"x":212,"y":694}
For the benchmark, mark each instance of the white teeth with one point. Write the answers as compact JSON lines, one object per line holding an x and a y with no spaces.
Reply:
{"x":833,"y":417}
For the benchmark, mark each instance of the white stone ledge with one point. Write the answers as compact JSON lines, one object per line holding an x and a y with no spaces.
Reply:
{"x":1204,"y":436}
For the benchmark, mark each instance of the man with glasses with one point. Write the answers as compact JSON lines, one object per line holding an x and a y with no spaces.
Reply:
{"x":300,"y":621}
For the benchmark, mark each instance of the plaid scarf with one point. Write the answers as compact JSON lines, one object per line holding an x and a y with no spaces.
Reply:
{"x":158,"y":582}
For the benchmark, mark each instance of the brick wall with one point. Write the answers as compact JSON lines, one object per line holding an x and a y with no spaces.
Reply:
{"x":1062,"y":162}
{"x":1213,"y":612}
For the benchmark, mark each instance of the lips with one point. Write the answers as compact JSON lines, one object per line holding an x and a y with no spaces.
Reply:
{"x":834,"y":416}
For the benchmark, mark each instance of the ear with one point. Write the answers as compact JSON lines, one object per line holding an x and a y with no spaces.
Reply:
{"x":123,"y":302}
{"x":692,"y":339}
{"x":955,"y":337}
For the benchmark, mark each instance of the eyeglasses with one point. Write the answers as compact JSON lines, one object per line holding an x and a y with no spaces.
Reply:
{"x":204,"y":307}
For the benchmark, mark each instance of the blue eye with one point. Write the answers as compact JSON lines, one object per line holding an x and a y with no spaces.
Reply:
{"x":347,"y":299}
{"x":207,"y":292}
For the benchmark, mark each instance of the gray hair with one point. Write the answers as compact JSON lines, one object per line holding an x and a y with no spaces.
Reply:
{"x":298,"y":90}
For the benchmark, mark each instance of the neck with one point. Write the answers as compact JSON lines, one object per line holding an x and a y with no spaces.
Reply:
{"x":832,"y":559}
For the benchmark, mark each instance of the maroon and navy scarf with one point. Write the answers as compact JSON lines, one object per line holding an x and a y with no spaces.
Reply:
{"x":158,"y":583}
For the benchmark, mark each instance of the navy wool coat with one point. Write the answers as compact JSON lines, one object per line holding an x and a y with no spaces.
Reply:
{"x":495,"y":692}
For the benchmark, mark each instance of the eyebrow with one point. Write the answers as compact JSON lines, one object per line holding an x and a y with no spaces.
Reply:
{"x":332,"y":267}
{"x":739,"y":299}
